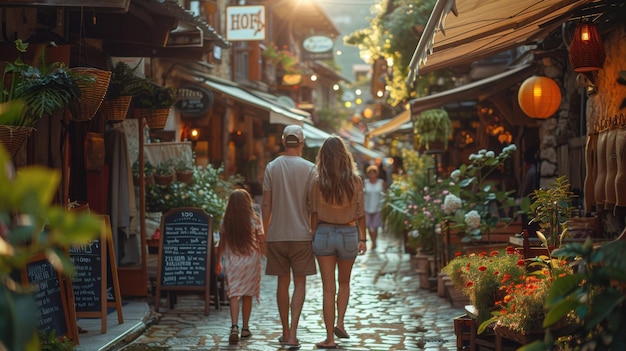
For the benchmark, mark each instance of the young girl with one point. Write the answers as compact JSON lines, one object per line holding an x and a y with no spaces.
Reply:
{"x":241,"y":246}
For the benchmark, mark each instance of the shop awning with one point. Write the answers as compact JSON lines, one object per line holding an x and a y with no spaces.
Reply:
{"x":314,"y":137}
{"x":392,"y":124}
{"x":478,"y":90}
{"x":277,"y":114}
{"x":481,"y":28}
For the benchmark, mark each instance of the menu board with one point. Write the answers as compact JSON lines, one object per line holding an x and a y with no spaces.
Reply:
{"x":95,"y":284}
{"x":88,"y":282}
{"x":185,"y":252}
{"x":50,"y":297}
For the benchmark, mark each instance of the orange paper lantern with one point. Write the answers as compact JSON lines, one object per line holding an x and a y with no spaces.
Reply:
{"x":539,"y":97}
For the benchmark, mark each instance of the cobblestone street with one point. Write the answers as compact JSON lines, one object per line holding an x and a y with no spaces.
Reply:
{"x":387,"y":311}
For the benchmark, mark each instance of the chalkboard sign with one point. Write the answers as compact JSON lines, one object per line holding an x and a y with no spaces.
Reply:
{"x":50,"y":297}
{"x":185,"y":252}
{"x":194,"y":101}
{"x":94,"y":285}
{"x":89,"y":284}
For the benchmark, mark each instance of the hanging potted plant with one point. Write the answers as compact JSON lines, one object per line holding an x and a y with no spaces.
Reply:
{"x":44,"y":90}
{"x":184,"y":171}
{"x":122,"y":86}
{"x":433,"y":126}
{"x":153,"y":103}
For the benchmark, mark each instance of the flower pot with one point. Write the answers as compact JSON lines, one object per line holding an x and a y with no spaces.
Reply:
{"x":184,"y":177}
{"x":163,"y":179}
{"x":91,"y":93}
{"x":115,"y":109}
{"x":156,"y":119}
{"x":522,"y":338}
{"x":12,"y":137}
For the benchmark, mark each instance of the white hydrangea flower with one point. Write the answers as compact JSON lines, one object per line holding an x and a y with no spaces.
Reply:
{"x":472,"y":219}
{"x":414,"y":233}
{"x":451,"y":203}
{"x":455,"y":175}
{"x":490,"y":154}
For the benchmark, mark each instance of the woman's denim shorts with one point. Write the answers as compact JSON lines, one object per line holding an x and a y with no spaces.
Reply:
{"x":335,"y":240}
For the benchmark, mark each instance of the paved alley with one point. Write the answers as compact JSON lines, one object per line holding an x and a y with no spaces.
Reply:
{"x":387,"y":311}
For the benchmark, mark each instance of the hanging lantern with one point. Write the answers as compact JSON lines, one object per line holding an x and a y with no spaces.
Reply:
{"x":586,"y":53}
{"x":539,"y":97}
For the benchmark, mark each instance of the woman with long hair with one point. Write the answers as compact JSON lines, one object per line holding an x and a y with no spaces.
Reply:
{"x":241,"y":241}
{"x":338,"y":224}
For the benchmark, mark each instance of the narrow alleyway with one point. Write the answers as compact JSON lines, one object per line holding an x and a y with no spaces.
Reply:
{"x":387,"y":311}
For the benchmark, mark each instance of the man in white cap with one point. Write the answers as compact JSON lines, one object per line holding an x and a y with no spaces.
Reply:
{"x":286,"y":187}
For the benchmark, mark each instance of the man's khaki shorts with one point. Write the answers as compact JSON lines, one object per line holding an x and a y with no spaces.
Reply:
{"x":286,"y":256}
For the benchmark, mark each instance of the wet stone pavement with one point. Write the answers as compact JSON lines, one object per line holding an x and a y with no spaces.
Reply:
{"x":387,"y":311}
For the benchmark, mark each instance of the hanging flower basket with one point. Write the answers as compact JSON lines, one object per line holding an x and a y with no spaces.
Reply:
{"x":12,"y":137}
{"x":91,"y":93}
{"x":115,"y":109}
{"x":156,"y":118}
{"x":184,"y":177}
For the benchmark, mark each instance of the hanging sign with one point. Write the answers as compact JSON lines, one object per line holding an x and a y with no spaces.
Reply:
{"x":245,"y":23}
{"x":317,"y":47}
{"x":194,"y":101}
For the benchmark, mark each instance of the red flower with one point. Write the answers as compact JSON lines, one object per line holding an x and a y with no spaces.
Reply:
{"x":505,"y":278}
{"x":520,"y":263}
{"x":494,"y":253}
{"x":510,"y":250}
{"x":469,"y":284}
{"x":457,"y":254}
{"x":482,"y":268}
{"x":496,"y":272}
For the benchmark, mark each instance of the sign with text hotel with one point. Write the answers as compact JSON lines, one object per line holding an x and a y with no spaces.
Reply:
{"x":245,"y":23}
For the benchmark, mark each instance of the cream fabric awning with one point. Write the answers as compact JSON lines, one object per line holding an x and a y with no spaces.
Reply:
{"x":277,"y":114}
{"x":482,"y":28}
{"x":478,"y":90}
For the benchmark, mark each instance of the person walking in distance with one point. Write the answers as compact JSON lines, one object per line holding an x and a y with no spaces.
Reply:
{"x":374,"y":190}
{"x":285,"y":210}
{"x":241,"y":246}
{"x":338,"y":223}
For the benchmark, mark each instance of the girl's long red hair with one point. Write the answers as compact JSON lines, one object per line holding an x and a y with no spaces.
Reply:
{"x":239,"y":235}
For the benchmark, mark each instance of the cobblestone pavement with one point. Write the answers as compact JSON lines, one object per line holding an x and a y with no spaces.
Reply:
{"x":387,"y":311}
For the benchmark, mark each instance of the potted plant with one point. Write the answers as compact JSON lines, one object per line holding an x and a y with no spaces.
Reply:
{"x":42,"y":90}
{"x":153,"y":103}
{"x":123,"y":85}
{"x":164,"y":173}
{"x":433,"y":126}
{"x":184,"y":170}
{"x":148,"y":171}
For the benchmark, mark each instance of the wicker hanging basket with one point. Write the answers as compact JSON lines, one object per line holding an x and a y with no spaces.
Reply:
{"x":12,"y":137}
{"x":91,"y":93}
{"x":115,"y":109}
{"x":156,"y":119}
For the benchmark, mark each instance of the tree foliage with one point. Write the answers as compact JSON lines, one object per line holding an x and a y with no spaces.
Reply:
{"x":393,"y":34}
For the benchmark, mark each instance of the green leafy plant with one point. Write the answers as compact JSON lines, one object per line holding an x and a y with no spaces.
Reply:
{"x":45,"y":89}
{"x":551,"y":208}
{"x":124,"y":81}
{"x":184,"y":165}
{"x":165,"y":168}
{"x":433,"y":126}
{"x":51,"y":343}
{"x":153,"y":96}
{"x":472,"y":197}
{"x":594,"y":297}
{"x":30,"y":225}
{"x":281,"y":57}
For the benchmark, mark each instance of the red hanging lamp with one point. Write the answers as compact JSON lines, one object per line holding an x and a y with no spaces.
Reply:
{"x":586,"y":52}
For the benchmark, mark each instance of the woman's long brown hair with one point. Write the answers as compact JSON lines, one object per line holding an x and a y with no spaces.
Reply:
{"x":336,"y":171}
{"x":238,"y":232}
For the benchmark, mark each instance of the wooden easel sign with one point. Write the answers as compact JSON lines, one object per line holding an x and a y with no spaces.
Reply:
{"x":95,"y":266}
{"x":52,"y":299}
{"x":185,"y":248}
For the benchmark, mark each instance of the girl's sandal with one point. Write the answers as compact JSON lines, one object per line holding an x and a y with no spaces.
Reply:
{"x":234,"y":334}
{"x":245,"y":333}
